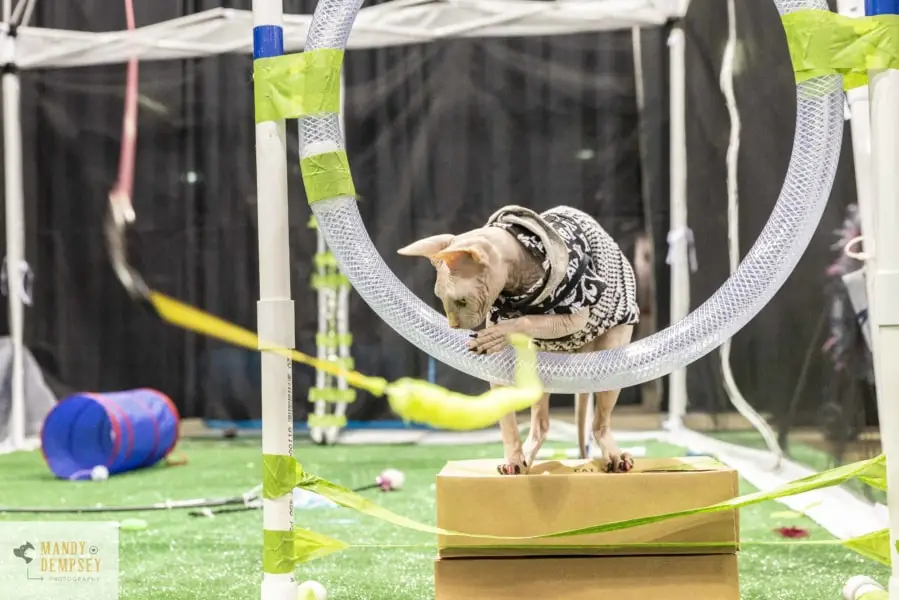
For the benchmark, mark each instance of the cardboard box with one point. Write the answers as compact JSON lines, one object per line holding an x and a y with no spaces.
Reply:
{"x":709,"y":577}
{"x":564,"y":495}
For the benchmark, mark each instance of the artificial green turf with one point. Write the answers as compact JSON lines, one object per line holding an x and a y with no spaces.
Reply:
{"x":185,"y":558}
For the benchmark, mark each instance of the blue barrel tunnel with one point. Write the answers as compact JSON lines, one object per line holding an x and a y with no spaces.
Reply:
{"x":122,"y":431}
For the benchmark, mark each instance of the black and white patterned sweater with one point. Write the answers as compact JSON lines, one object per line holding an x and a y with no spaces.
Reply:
{"x":584,"y":268}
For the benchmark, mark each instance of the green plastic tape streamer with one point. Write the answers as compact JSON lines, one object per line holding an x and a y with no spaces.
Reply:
{"x":309,"y":545}
{"x":279,"y":555}
{"x":441,"y":408}
{"x":327,"y":175}
{"x":278,"y":475}
{"x":872,"y":472}
{"x":295,"y":85}
{"x":825,"y":43}
{"x":317,"y":548}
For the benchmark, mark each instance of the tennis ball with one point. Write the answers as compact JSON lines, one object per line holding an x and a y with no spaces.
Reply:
{"x":397,"y":478}
{"x":863,"y":588}
{"x":311,"y":590}
{"x":99,"y":473}
{"x":133,"y":524}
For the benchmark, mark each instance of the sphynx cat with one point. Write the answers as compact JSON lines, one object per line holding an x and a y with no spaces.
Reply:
{"x":556,"y":277}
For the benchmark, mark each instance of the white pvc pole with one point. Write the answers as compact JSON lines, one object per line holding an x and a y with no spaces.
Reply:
{"x":679,"y":235}
{"x":15,"y":233}
{"x":275,"y":310}
{"x":884,"y":90}
{"x":860,"y":113}
{"x":321,"y":378}
{"x":342,"y":308}
{"x":860,"y":110}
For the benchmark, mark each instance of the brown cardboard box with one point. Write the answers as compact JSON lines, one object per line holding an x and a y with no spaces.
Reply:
{"x":710,"y":577}
{"x":564,"y":495}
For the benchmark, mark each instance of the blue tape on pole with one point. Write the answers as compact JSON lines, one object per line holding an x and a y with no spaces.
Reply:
{"x":268,"y":41}
{"x":881,"y":7}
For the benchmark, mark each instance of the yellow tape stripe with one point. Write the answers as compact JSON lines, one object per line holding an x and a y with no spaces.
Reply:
{"x":411,"y":400}
{"x":193,"y":319}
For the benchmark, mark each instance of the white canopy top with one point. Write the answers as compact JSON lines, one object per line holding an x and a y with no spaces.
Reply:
{"x":222,"y":31}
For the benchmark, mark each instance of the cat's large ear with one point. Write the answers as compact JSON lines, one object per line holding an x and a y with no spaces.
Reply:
{"x":457,"y":255}
{"x":428,"y":247}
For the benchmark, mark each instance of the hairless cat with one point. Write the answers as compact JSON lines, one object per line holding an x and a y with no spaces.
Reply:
{"x":557,"y":277}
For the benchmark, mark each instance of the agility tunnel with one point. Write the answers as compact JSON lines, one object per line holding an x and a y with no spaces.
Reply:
{"x":122,"y":431}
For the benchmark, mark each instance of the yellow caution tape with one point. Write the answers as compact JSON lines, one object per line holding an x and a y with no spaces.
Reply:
{"x":412,"y":400}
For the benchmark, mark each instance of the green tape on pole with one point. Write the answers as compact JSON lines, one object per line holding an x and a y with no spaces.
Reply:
{"x":278,"y":475}
{"x":332,"y":395}
{"x":327,"y":176}
{"x":331,"y":281}
{"x":347,"y":363}
{"x":326,"y":420}
{"x":825,"y":43}
{"x":333,"y":340}
{"x":295,"y":85}
{"x":324,"y":260}
{"x":278,"y":552}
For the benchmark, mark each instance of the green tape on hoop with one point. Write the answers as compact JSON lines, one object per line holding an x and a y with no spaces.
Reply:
{"x":326,"y":420}
{"x":278,"y":475}
{"x":825,"y":43}
{"x":278,"y":552}
{"x":327,"y":176}
{"x":295,"y":85}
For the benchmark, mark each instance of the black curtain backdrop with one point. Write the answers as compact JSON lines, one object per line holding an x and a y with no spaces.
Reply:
{"x":767,"y":355}
{"x":439,"y":136}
